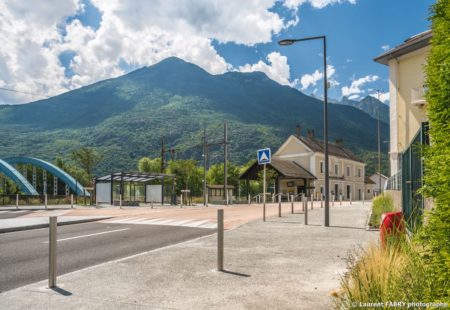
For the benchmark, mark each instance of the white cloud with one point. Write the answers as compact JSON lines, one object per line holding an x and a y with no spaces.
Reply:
{"x":355,"y":87}
{"x":277,"y":69}
{"x":137,"y":33}
{"x":383,"y":97}
{"x":354,"y":97}
{"x":308,"y":80}
{"x":319,"y":4}
{"x":385,"y":47}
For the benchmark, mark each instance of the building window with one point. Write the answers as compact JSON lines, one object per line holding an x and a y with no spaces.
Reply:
{"x":321,"y":167}
{"x":368,"y":191}
{"x":336,"y":169}
{"x":321,"y":190}
{"x":359,"y":172}
{"x":348,"y":171}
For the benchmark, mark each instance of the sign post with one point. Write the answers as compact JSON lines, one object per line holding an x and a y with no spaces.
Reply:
{"x":264,"y":157}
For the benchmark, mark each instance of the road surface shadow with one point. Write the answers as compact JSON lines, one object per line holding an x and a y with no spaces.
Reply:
{"x":236,"y":273}
{"x":349,"y":227}
{"x":61,"y":291}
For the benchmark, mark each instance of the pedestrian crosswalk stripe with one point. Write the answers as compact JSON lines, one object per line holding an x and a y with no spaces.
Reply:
{"x":165,"y":222}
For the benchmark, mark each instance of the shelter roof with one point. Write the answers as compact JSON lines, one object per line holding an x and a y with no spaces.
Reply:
{"x":285,"y":168}
{"x":139,"y":177}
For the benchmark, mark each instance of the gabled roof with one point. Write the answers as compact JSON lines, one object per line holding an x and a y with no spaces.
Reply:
{"x":410,"y":45}
{"x":333,"y":149}
{"x":291,"y":169}
{"x":368,"y":180}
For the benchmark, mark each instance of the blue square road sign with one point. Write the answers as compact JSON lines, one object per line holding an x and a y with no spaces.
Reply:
{"x":264,"y":156}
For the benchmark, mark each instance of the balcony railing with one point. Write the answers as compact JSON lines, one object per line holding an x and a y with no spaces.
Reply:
{"x":418,"y":95}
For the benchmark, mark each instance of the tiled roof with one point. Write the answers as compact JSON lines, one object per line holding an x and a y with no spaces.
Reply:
{"x":368,"y":180}
{"x":333,"y":149}
{"x":290,"y":169}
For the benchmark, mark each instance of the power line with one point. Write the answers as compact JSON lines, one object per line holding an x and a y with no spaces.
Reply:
{"x":23,"y":92}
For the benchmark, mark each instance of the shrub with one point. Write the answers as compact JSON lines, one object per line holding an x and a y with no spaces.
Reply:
{"x":381,"y":204}
{"x":396,"y":273}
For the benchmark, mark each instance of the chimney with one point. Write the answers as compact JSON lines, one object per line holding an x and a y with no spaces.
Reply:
{"x":340,"y":142}
{"x":311,"y":134}
{"x":298,"y":130}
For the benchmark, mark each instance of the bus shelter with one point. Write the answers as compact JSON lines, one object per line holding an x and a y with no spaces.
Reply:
{"x":133,"y":188}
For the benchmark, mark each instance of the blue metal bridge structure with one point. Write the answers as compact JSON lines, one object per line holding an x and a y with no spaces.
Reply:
{"x":71,"y":184}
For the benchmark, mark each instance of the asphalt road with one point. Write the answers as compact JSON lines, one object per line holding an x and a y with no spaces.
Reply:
{"x":9,"y":214}
{"x":24,"y":254}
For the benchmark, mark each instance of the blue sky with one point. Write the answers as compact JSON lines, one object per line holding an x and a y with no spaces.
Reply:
{"x":65,"y":44}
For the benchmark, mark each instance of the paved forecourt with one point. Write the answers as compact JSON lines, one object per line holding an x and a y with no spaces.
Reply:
{"x":279,"y":264}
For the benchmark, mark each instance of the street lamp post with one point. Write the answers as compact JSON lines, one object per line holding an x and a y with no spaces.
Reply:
{"x":325,"y":118}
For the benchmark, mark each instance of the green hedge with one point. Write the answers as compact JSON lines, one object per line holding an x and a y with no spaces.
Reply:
{"x":435,"y":235}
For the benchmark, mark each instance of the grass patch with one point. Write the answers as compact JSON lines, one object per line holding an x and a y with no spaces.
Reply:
{"x":381,"y":204}
{"x":381,"y":275}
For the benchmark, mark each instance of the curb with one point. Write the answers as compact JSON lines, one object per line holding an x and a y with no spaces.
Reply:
{"x":38,"y":226}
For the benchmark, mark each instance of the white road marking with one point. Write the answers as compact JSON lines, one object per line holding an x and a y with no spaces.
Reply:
{"x":96,"y":234}
{"x":165,"y":222}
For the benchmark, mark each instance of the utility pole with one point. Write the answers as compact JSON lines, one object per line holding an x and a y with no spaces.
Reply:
{"x":225,"y":157}
{"x":205,"y":152}
{"x":379,"y":148}
{"x":172,"y":154}
{"x":163,"y":151}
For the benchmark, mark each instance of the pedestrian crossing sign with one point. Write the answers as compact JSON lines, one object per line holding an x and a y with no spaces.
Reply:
{"x":264,"y":156}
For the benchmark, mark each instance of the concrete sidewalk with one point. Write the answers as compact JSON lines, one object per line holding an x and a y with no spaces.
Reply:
{"x":279,"y":264}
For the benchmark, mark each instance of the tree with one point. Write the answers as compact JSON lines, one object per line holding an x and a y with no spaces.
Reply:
{"x":215,"y":174}
{"x":189,"y":176}
{"x":78,"y":173}
{"x":87,"y":158}
{"x":149,"y":165}
{"x":436,"y":231}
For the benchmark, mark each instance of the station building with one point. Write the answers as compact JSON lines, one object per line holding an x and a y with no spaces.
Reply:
{"x":300,"y":168}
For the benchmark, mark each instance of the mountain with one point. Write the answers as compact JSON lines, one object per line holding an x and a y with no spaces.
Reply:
{"x":370,"y":105}
{"x":125,"y":117}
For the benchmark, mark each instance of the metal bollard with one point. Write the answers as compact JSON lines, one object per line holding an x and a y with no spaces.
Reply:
{"x":312,"y":202}
{"x":279,"y":206}
{"x":305,"y":202}
{"x":52,"y":252}
{"x":207,"y":199}
{"x":364,"y":196}
{"x":220,"y":240}
{"x":340,"y":199}
{"x":332,"y":202}
{"x":17,"y":201}
{"x":181,"y":200}
{"x":71,"y":201}
{"x":152,"y":203}
{"x":292,"y":204}
{"x":45,"y":200}
{"x":249,"y":200}
{"x":264,"y":211}
{"x":120,"y":201}
{"x":321,"y":200}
